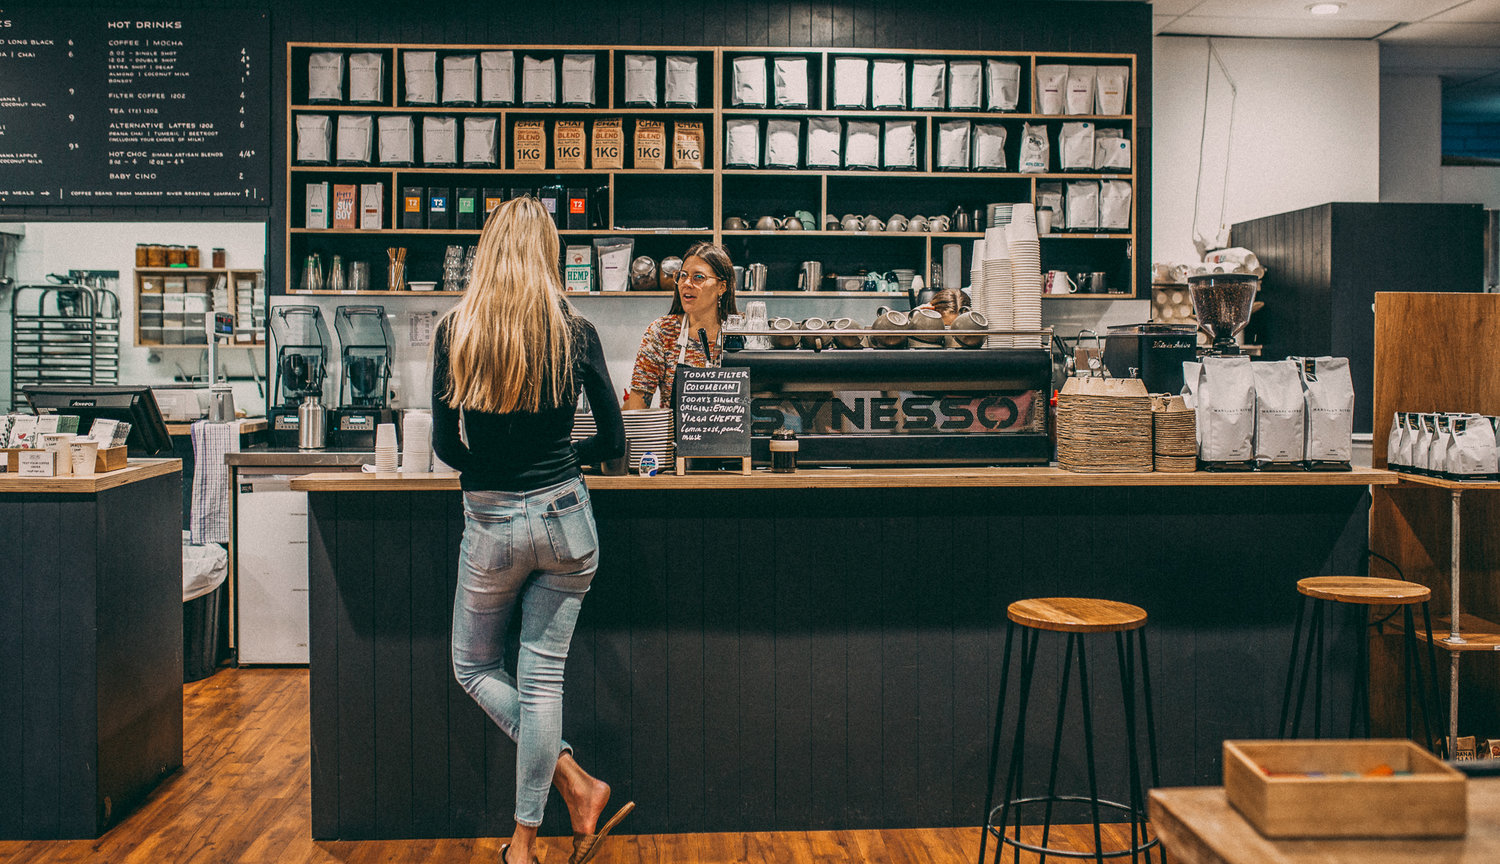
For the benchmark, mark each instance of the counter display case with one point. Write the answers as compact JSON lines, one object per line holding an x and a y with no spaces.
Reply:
{"x":785,"y":99}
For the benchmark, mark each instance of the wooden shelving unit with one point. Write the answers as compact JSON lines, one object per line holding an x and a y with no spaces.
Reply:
{"x":715,"y":192}
{"x":154,"y":286}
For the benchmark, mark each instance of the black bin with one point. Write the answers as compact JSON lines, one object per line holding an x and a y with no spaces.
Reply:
{"x":200,"y":634}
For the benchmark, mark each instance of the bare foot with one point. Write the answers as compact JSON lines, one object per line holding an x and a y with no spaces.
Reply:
{"x":585,"y":795}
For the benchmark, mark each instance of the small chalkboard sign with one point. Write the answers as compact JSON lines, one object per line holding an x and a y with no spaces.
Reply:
{"x":713,"y":414}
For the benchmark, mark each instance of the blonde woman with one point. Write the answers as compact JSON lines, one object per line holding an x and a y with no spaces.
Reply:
{"x":509,"y":361}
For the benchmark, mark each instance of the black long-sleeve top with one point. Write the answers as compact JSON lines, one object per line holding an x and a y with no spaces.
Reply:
{"x":524,"y":450}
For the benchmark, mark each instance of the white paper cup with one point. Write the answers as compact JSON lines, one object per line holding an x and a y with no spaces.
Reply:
{"x":385,"y":436}
{"x":84,"y":452}
{"x":57,"y":444}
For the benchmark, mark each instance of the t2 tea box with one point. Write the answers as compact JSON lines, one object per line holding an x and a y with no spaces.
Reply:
{"x":439,"y":207}
{"x":412,"y":198}
{"x":466,"y":208}
{"x":493,"y":198}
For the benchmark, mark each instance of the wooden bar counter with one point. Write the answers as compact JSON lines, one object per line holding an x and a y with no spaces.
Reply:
{"x":810,"y":651}
{"x":90,"y":646}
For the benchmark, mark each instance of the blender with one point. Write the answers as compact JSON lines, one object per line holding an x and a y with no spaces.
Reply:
{"x":301,"y":362}
{"x":1222,"y":302}
{"x":365,"y":336}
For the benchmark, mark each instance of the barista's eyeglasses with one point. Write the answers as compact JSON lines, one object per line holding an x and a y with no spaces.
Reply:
{"x":698,"y":279}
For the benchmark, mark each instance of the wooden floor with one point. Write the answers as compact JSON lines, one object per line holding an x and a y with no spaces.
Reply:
{"x":243,"y":796}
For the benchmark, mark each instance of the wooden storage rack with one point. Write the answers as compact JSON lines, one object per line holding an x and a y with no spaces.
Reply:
{"x":200,"y":280}
{"x":905,"y":190}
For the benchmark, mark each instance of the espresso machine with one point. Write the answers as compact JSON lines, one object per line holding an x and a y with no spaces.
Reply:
{"x":301,"y":362}
{"x":365,"y":337}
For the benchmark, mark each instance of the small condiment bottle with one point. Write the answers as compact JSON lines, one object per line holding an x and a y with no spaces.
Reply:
{"x":783,"y":451}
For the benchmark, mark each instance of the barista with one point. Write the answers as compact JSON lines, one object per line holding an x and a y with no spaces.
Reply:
{"x":948,"y":303}
{"x":703,"y":299}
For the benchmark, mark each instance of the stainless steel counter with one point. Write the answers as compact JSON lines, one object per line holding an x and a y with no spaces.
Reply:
{"x":274,"y":458}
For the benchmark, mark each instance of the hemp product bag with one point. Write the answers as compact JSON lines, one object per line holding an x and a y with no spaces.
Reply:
{"x":954,"y":145}
{"x":851,"y":82}
{"x":325,"y":77}
{"x":1052,"y":89}
{"x":823,"y":138}
{"x":790,"y":82}
{"x":965,"y":85}
{"x":529,"y":150}
{"x":439,"y":140}
{"x":1329,"y":391}
{"x":397,"y":139}
{"x":682,"y":81}
{"x":888,"y":83}
{"x":314,"y":138}
{"x":640,"y":80}
{"x":1002,"y":85}
{"x":356,"y":139}
{"x":1279,"y":407}
{"x":608,"y":143}
{"x":497,"y":77}
{"x":538,"y":81}
{"x":783,"y":143}
{"x":1225,"y":408}
{"x":366,"y":77}
{"x":420,"y":68}
{"x":570,"y":146}
{"x":989,"y":147}
{"x":460,"y":79}
{"x":748,"y":82}
{"x":742,"y":143}
{"x":929,"y":85}
{"x":650,"y":144}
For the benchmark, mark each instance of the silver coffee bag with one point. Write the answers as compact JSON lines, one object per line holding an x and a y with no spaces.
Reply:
{"x":538,"y":81}
{"x":314,"y":138}
{"x":929,"y":85}
{"x":420,"y":71}
{"x":640,"y":80}
{"x":578,"y":79}
{"x":748,"y":83}
{"x":791,"y":82}
{"x":888,"y":83}
{"x":481,"y":142}
{"x":325,"y":77}
{"x":397,"y":135}
{"x":861,"y":144}
{"x":366,"y":77}
{"x":900,"y":144}
{"x":783,"y":143}
{"x":356,"y":139}
{"x":497,"y":77}
{"x":460,"y":79}
{"x":1279,"y":413}
{"x":439,"y":141}
{"x":682,"y":81}
{"x":823,"y":138}
{"x":742,"y":143}
{"x":851,"y":82}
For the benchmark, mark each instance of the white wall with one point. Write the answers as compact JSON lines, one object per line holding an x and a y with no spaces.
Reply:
{"x":1411,"y":148}
{"x":1306,"y":130}
{"x":56,"y":247}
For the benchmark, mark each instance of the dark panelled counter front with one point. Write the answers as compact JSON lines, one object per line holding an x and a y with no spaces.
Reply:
{"x":803,"y":658}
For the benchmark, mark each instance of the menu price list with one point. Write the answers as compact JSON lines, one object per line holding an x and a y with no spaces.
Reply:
{"x":713,"y":412}
{"x":159,"y":107}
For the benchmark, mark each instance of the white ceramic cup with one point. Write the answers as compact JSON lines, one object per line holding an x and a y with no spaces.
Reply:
{"x":57,"y":444}
{"x":84,"y":453}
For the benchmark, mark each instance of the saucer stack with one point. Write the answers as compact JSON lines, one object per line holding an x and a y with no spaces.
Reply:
{"x":583,"y":425}
{"x":649,"y":430}
{"x":416,"y":435}
{"x":977,"y":295}
{"x":385,"y":448}
{"x":998,"y":215}
{"x":1026,"y":275}
{"x":996,"y":272}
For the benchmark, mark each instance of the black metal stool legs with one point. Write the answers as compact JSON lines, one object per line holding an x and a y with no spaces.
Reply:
{"x":1437,"y":692}
{"x":989,"y":788}
{"x":1057,"y":735}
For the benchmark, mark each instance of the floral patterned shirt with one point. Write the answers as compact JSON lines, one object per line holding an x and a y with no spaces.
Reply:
{"x":656,"y":361}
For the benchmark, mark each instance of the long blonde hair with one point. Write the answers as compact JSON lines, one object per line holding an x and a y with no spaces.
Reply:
{"x":510,"y":339}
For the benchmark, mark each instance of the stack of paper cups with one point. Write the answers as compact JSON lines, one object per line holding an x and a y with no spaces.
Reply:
{"x":416,"y":438}
{"x":977,"y":295}
{"x":1026,"y":274}
{"x":995,"y":271}
{"x":385,"y":447}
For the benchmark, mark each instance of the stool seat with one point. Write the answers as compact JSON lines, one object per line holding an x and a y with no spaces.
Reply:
{"x":1076,"y":614}
{"x":1368,"y":590}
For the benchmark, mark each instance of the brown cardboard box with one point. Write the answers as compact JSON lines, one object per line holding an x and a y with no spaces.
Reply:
{"x":345,"y":202}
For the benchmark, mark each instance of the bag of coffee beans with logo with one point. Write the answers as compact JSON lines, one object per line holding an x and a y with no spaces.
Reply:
{"x":1329,"y":392}
{"x":687,"y":145}
{"x":1279,"y":422}
{"x":1225,"y":406}
{"x":650,"y":144}
{"x":609,"y":143}
{"x":570,"y":146}
{"x":530,"y":145}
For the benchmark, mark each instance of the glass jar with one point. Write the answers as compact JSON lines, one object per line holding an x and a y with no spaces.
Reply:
{"x":156,"y":255}
{"x":783,"y":447}
{"x":194,"y":257}
{"x":218,"y":257}
{"x":142,"y":255}
{"x":176,"y":256}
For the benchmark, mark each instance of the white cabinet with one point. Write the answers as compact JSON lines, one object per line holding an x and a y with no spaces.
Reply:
{"x":271,"y":548}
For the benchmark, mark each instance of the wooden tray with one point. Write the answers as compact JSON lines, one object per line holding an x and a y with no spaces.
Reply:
{"x":1432,"y":801}
{"x":109,"y":459}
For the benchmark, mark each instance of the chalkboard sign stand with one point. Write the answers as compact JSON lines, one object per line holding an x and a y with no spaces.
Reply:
{"x":682,"y":465}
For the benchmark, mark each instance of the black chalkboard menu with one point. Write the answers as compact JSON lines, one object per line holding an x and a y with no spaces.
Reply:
{"x":713,"y":413}
{"x":134,"y":107}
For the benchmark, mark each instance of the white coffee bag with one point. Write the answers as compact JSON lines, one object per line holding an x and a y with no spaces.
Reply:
{"x":783,"y":143}
{"x":1050,"y":195}
{"x":900,"y":144}
{"x":1110,"y":89}
{"x":366,"y":77}
{"x":1394,"y":440}
{"x":682,"y":81}
{"x":481,"y":142}
{"x":1329,"y":391}
{"x":397,"y":139}
{"x":538,"y":81}
{"x":748,"y":82}
{"x":861,"y":144}
{"x":497,"y":77}
{"x":325,"y":77}
{"x":579,"y":79}
{"x":1052,"y":89}
{"x":790,"y":82}
{"x":1036,"y":154}
{"x":1002,"y":85}
{"x":1421,"y":442}
{"x":742,"y":143}
{"x":1080,"y":90}
{"x":953,"y":145}
{"x":314,"y":138}
{"x":1472,"y":450}
{"x":1437,"y":454}
{"x":420,"y":71}
{"x":851,"y":82}
{"x":1225,"y":409}
{"x":355,"y":143}
{"x":1083,"y":205}
{"x":1075,"y":146}
{"x":460,"y":79}
{"x":989,"y":147}
{"x":965,"y":85}
{"x":1111,"y":150}
{"x":823,"y":138}
{"x":1114,"y":205}
{"x":888,"y":83}
{"x":929,"y":85}
{"x":640,"y":80}
{"x":439,"y":140}
{"x":1279,"y":413}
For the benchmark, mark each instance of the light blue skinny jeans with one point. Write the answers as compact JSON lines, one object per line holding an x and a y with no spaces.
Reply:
{"x":520,"y":547}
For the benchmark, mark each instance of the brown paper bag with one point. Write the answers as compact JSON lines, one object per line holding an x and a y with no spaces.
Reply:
{"x":569,"y":145}
{"x":650,"y":144}
{"x":531,"y":145}
{"x":687,"y":145}
{"x":609,"y":143}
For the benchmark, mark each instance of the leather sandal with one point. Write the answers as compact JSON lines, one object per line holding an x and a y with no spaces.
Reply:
{"x":505,"y":848}
{"x":586,"y":846}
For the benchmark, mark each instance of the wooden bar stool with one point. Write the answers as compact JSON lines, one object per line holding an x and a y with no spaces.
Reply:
{"x":1361,"y":591}
{"x":1077,"y":617}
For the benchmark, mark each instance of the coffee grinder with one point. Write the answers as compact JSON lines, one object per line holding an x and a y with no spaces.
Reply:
{"x":366,"y":354}
{"x":1222,"y":302}
{"x":301,"y":362}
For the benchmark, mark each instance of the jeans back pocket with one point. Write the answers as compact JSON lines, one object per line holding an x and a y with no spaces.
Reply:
{"x":488,"y":542}
{"x":572,"y":533}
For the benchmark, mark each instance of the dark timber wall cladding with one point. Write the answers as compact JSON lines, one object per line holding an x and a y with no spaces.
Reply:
{"x":810,"y":659}
{"x":979,"y":25}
